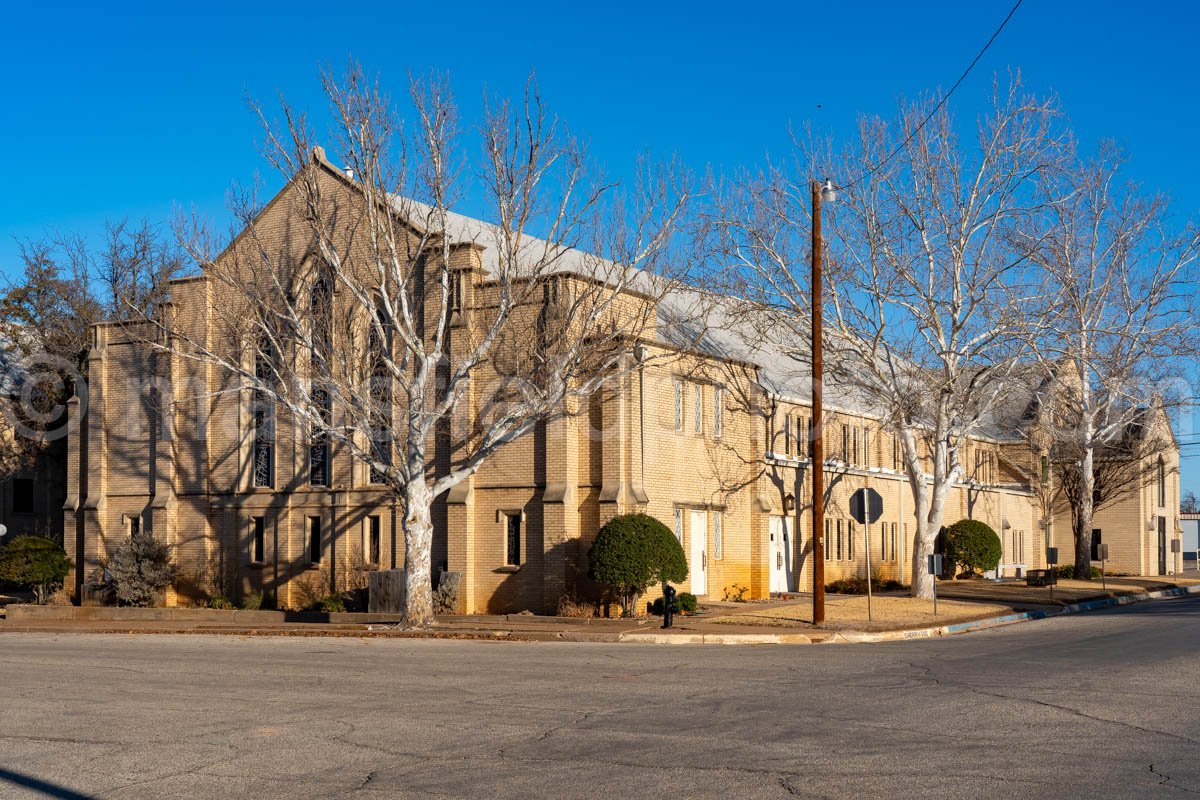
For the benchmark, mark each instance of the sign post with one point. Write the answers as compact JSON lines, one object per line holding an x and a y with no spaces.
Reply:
{"x":1051,"y":563}
{"x":1102,"y":551}
{"x":935,"y":569}
{"x":866,"y":506}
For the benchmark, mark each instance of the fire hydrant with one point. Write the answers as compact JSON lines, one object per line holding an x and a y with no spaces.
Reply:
{"x":669,"y":607}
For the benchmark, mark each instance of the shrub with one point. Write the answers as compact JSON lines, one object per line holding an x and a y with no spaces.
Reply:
{"x":140,"y":570}
{"x":220,"y":602}
{"x":686,"y":602}
{"x":1068,"y":571}
{"x":34,"y":562}
{"x":252,"y":601}
{"x":633,"y":551}
{"x":856,"y":585}
{"x":736,"y":593}
{"x":974,"y":545}
{"x":332,"y":603}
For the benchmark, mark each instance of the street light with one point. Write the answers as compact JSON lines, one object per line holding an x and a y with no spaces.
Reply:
{"x":828,"y":194}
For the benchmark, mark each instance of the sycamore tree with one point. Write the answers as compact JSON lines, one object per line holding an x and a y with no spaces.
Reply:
{"x":919,"y":328}
{"x":1118,"y":280}
{"x":361,"y":307}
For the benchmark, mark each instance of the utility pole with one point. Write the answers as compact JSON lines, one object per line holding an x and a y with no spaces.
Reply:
{"x":819,"y":193}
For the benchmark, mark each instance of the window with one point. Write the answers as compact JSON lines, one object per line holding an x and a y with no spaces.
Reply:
{"x":264,"y":415}
{"x":845,"y":444}
{"x":258,"y":534}
{"x":787,"y":434}
{"x":718,"y":411}
{"x":1162,"y":482}
{"x":1018,"y":546}
{"x":318,"y":446}
{"x":1045,"y":470}
{"x":512,"y":539}
{"x":841,"y":552}
{"x":133,"y":525}
{"x":718,"y":547}
{"x":828,"y":542}
{"x":853,"y":446}
{"x":849,"y":540}
{"x":1096,"y":539}
{"x":679,"y":524}
{"x":895,"y":452}
{"x":866,"y":447}
{"x":314,"y":540}
{"x":380,"y":349}
{"x":808,"y":427}
{"x":679,"y":406}
{"x":456,"y":292}
{"x":373,"y":540}
{"x":698,"y":422}
{"x":22,"y":489}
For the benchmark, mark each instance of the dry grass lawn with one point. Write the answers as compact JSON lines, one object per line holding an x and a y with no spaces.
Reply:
{"x":889,"y":612}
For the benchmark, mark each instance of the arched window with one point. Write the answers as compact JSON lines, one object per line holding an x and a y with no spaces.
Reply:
{"x":380,"y":353}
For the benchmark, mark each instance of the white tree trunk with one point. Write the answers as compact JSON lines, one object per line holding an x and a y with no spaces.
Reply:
{"x":418,"y":547}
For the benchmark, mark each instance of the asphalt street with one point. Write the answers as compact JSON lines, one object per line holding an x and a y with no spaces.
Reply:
{"x":1089,"y":706}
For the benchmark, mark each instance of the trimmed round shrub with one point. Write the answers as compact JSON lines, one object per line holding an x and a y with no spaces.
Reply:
{"x":974,"y":545}
{"x":633,"y":551}
{"x":34,"y":562}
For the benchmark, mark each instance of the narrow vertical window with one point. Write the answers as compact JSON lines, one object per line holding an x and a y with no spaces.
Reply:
{"x":849,"y":540}
{"x":828,"y":543}
{"x":845,"y":444}
{"x":895,"y":452}
{"x":1162,"y":482}
{"x":678,"y":406}
{"x":258,"y":535}
{"x":853,"y":446}
{"x":1045,"y":470}
{"x":22,"y":495}
{"x":679,"y":524}
{"x":379,"y":348}
{"x":318,"y":446}
{"x":264,"y":415}
{"x":512,"y":531}
{"x":718,"y":412}
{"x":866,"y":447}
{"x":374,"y":528}
{"x":840,"y":542}
{"x":808,"y":426}
{"x":718,"y":547}
{"x":133,"y":525}
{"x":787,"y":434}
{"x":698,"y":404}
{"x":314,"y":540}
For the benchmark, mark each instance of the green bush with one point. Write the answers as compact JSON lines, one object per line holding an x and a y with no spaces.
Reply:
{"x":633,"y":551}
{"x":858,"y":585}
{"x":252,"y":601}
{"x":34,"y":562}
{"x":685,"y":601}
{"x":220,"y":602}
{"x":974,"y":545}
{"x":140,"y":570}
{"x":1068,"y":571}
{"x":333,"y":603}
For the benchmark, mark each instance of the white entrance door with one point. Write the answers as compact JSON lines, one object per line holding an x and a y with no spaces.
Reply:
{"x":699,"y":564}
{"x":781,"y":554}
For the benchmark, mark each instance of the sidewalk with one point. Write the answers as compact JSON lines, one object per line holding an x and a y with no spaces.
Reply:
{"x":780,"y":622}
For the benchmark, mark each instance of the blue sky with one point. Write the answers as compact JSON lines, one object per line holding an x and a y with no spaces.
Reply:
{"x":113,"y":111}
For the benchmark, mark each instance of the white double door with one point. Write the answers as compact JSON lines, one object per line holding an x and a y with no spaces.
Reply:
{"x":698,"y":567}
{"x":782,"y":556}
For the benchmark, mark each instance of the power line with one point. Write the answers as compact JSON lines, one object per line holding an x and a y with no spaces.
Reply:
{"x":940,"y":103}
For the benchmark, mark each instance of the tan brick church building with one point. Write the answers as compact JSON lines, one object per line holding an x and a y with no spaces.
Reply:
{"x":708,"y":436}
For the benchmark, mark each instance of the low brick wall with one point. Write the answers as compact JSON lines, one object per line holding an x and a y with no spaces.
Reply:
{"x":17,"y":613}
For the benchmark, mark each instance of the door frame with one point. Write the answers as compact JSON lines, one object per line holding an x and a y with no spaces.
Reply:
{"x":698,"y":563}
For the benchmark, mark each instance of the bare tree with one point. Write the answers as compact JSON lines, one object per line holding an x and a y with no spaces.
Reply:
{"x":919,"y":331}
{"x":1118,"y":282}
{"x":419,"y":341}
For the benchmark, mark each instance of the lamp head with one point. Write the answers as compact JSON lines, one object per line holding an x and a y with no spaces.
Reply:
{"x":828,"y":192}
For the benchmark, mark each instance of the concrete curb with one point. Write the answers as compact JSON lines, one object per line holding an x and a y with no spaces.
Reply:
{"x":647,"y":637}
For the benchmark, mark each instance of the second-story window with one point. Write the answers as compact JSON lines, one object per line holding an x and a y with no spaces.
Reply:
{"x":318,"y":447}
{"x":718,"y":411}
{"x":678,"y":406}
{"x":264,"y":415}
{"x":698,"y":410}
